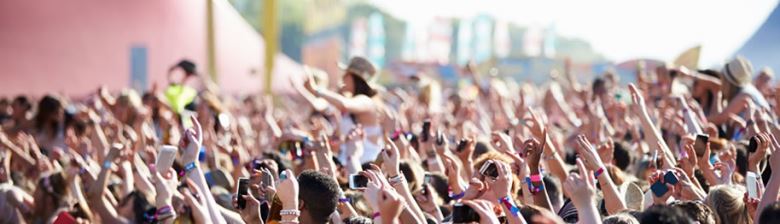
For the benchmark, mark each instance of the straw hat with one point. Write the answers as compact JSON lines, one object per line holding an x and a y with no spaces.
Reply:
{"x":738,"y":72}
{"x":361,"y":67}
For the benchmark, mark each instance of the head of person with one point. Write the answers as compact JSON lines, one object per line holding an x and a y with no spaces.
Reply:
{"x":764,"y":78}
{"x":663,"y":214}
{"x":697,"y":211}
{"x":127,"y":105}
{"x":50,"y":113}
{"x":535,"y":214}
{"x":50,"y":192}
{"x":20,"y":106}
{"x":620,"y":218}
{"x":770,"y":214}
{"x":726,"y":201}
{"x":181,"y":71}
{"x":357,"y":76}
{"x":318,"y":195}
{"x":622,"y":155}
{"x":135,"y":207}
{"x":735,"y":75}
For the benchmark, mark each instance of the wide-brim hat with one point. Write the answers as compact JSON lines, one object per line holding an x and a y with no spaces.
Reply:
{"x":738,"y":72}
{"x":361,"y":67}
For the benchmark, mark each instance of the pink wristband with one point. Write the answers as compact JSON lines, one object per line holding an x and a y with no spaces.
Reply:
{"x":598,"y":172}
{"x":536,"y":178}
{"x":376,"y":215}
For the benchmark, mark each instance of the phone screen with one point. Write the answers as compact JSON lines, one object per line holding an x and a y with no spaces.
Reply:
{"x":753,"y":145}
{"x":701,"y":144}
{"x":489,"y":169}
{"x":670,"y":178}
{"x":752,"y":183}
{"x":243,"y":189}
{"x":357,"y":181}
{"x":426,"y":131}
{"x":659,"y":189}
{"x":461,"y":145}
{"x":165,"y":160}
{"x":464,"y":214}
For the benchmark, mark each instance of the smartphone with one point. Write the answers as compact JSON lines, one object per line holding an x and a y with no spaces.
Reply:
{"x":489,"y":169}
{"x":428,"y":178}
{"x":752,"y":184}
{"x":439,"y":138}
{"x":266,"y":179}
{"x":464,"y":214}
{"x":357,"y":181}
{"x":296,"y":151}
{"x":659,"y":189}
{"x":426,"y":131}
{"x":670,"y":178}
{"x":185,"y":115}
{"x":259,"y":165}
{"x":65,"y":218}
{"x":166,"y":158}
{"x":461,"y":145}
{"x":700,"y":145}
{"x":753,"y":145}
{"x":243,"y":189}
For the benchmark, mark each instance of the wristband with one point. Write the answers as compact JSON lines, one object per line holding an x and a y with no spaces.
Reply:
{"x":457,"y":196}
{"x":107,"y":164}
{"x":189,"y":166}
{"x":510,"y":205}
{"x":396,"y":179}
{"x":536,"y":178}
{"x":598,"y":172}
{"x":375,"y":215}
{"x":291,"y":212}
{"x":534,"y":189}
{"x":344,"y":200}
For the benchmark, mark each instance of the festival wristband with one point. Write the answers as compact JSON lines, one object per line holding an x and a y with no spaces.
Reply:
{"x":457,"y":196}
{"x":107,"y":164}
{"x":536,"y":178}
{"x":376,"y":215}
{"x":598,"y":172}
{"x":189,"y":167}
{"x":507,"y":202}
{"x":344,"y":200}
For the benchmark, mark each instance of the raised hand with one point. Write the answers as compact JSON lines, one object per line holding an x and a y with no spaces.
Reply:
{"x":390,"y":154}
{"x":755,"y":158}
{"x":606,"y":151}
{"x":580,"y":187}
{"x":484,"y":209}
{"x":588,"y":153}
{"x":501,"y":186}
{"x":390,"y":205}
{"x":288,"y":191}
{"x":192,"y":141}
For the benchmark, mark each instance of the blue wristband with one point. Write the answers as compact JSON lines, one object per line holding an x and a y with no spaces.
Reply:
{"x":457,"y":196}
{"x":189,"y":166}
{"x":107,"y":164}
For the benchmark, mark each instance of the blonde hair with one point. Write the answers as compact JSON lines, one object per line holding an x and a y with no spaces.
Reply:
{"x":430,"y":95}
{"x":726,"y":201}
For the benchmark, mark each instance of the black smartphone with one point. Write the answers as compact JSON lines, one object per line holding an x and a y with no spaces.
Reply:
{"x":243,"y":189}
{"x":700,"y":145}
{"x":464,"y":214}
{"x":357,"y":181}
{"x":671,"y":178}
{"x":753,"y":145}
{"x":659,"y":189}
{"x":426,"y":131}
{"x":258,"y":165}
{"x":489,"y":169}
{"x":461,"y":145}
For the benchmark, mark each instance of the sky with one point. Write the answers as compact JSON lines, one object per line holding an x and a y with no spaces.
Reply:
{"x":618,"y":29}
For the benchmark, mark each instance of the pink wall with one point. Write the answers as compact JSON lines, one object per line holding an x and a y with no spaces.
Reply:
{"x":74,"y":46}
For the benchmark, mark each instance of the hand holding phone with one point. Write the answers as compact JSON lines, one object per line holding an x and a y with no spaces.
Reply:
{"x":489,"y":169}
{"x":426,"y":131}
{"x":700,"y":145}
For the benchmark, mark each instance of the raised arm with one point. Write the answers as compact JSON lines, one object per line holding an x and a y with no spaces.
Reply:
{"x":647,"y":124}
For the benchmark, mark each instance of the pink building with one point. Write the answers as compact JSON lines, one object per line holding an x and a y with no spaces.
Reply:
{"x":72,"y":47}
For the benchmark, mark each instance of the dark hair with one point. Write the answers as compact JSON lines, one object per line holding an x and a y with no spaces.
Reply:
{"x":361,"y":86}
{"x":357,"y":220}
{"x":319,"y":193}
{"x":22,"y":101}
{"x":697,"y":211}
{"x":663,"y":214}
{"x":47,"y":107}
{"x":622,"y":155}
{"x":187,"y":66}
{"x":770,"y":213}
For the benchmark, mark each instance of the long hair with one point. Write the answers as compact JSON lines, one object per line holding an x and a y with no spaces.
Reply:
{"x":727,"y":202}
{"x":361,"y":86}
{"x":48,"y":107}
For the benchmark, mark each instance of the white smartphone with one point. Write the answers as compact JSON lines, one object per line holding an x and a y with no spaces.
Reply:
{"x":357,"y":181}
{"x":165,"y":158}
{"x":752,"y":184}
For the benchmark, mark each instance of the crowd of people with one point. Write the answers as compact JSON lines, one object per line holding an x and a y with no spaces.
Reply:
{"x":675,"y":146}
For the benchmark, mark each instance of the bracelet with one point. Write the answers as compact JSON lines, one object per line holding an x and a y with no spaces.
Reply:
{"x":510,"y":205}
{"x":457,"y":196}
{"x":375,"y":215}
{"x":164,"y":213}
{"x":536,"y":178}
{"x":289,"y":221}
{"x":291,"y":212}
{"x":534,"y":189}
{"x":189,"y":167}
{"x":344,"y":200}
{"x":107,"y":164}
{"x":598,"y":172}
{"x":396,"y":179}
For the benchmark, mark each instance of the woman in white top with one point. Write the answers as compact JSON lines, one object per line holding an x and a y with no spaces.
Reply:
{"x":358,"y":104}
{"x":738,"y":91}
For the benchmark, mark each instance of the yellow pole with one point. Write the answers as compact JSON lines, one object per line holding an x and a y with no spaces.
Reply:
{"x":211,"y":59}
{"x":270,"y":31}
